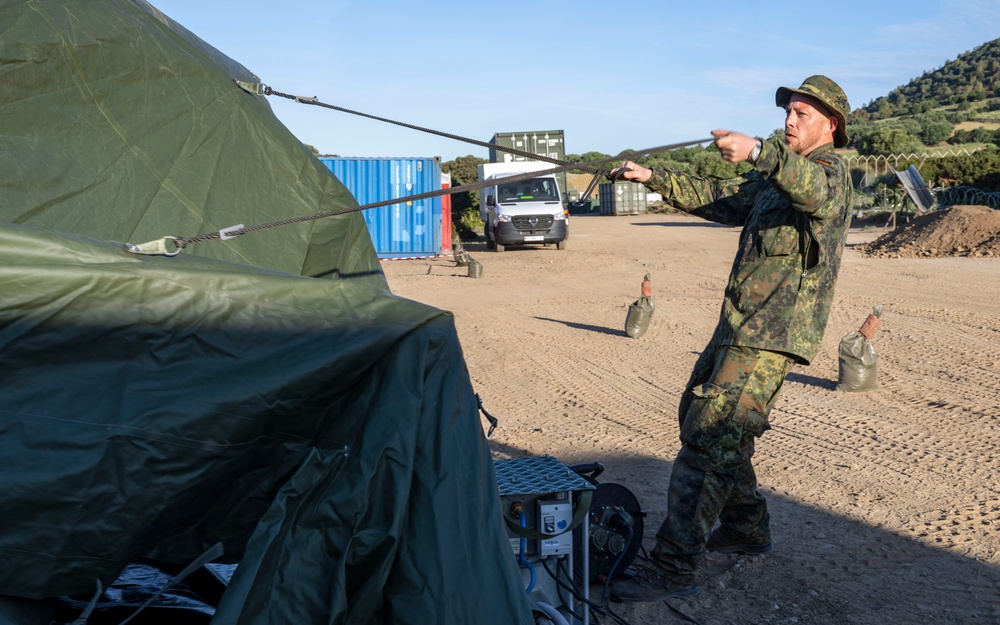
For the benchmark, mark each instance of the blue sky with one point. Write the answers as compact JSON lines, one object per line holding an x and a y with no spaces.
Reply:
{"x":612,"y":76}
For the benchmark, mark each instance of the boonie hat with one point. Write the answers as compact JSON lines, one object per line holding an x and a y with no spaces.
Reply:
{"x":827,"y":92}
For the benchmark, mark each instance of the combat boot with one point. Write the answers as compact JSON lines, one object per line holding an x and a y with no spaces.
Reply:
{"x":720,"y":542}
{"x":649,"y":584}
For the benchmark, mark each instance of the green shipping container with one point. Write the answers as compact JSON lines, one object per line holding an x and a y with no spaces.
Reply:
{"x":549,"y":143}
{"x":622,"y":198}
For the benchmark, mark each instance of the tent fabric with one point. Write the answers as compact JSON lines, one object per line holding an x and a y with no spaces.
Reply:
{"x":325,"y":432}
{"x":120,"y":124}
{"x":20,"y":611}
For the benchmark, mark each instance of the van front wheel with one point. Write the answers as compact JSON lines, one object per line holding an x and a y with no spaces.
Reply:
{"x":561,"y":245}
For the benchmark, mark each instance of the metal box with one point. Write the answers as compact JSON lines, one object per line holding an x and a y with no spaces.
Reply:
{"x":541,"y":490}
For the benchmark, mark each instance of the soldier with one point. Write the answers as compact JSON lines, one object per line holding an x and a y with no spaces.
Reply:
{"x":795,"y":212}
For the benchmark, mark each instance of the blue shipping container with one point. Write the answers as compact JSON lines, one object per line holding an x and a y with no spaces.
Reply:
{"x":409,"y":229}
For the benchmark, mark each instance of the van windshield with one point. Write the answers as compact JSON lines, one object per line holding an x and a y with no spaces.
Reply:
{"x":534,"y":190}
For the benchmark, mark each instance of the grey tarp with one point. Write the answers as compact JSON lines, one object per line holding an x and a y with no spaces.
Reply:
{"x":324,"y":431}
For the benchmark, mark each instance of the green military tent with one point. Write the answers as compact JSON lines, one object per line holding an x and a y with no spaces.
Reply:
{"x":266,"y":393}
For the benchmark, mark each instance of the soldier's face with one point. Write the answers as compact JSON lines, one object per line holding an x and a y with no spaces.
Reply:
{"x":808,"y":124}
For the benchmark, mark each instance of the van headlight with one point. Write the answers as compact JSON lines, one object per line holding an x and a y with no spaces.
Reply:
{"x":503,"y":217}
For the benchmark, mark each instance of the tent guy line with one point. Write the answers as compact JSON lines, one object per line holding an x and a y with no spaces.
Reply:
{"x":262,"y":89}
{"x":171,"y":245}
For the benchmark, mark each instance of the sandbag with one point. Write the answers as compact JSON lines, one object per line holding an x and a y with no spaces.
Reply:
{"x":858,"y":362}
{"x":640,"y":312}
{"x":475,"y":268}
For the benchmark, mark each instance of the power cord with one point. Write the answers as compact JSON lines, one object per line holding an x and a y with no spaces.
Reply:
{"x":604,"y":607}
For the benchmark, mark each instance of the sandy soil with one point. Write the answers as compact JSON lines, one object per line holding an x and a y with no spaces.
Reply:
{"x":885,"y":504}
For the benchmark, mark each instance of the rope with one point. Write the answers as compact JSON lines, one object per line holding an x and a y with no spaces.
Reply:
{"x":171,"y":246}
{"x":162,"y":246}
{"x":315,"y":102}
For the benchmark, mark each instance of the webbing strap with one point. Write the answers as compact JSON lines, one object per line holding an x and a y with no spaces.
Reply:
{"x":213,"y":552}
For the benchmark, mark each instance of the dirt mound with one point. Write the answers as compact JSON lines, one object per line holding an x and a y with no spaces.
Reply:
{"x":954,"y":231}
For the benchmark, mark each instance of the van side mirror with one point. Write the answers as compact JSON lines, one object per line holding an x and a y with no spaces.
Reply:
{"x":491,"y":201}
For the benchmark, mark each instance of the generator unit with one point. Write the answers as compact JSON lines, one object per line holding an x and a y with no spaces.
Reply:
{"x":566,"y":530}
{"x":543,"y":501}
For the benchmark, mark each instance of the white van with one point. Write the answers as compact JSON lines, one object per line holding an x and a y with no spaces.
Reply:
{"x":524,"y":212}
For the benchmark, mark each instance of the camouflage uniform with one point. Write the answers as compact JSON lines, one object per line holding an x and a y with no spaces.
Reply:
{"x":795,"y":212}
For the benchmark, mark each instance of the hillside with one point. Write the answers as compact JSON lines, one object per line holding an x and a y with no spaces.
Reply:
{"x":957,"y":104}
{"x":972,"y":77}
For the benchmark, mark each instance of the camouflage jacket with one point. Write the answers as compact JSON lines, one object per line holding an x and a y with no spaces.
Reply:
{"x":795,"y":212}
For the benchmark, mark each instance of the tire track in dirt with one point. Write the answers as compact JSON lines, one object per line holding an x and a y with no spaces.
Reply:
{"x":885,"y":505}
{"x":923,"y":433}
{"x":599,"y":390}
{"x":902,"y":438}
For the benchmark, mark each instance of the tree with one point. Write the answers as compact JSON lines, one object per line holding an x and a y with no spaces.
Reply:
{"x":980,"y":169}
{"x":858,"y":128}
{"x":464,"y":206}
{"x":883,"y":110}
{"x":934,"y":132}
{"x":709,"y":163}
{"x":586,"y":157}
{"x":908,"y":124}
{"x":934,"y":128}
{"x":888,"y":140}
{"x":976,"y":135}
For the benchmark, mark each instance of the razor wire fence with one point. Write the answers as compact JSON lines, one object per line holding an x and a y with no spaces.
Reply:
{"x":953,"y":196}
{"x":874,"y":176}
{"x":872,"y":169}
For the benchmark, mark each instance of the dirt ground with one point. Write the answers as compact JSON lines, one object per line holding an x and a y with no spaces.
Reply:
{"x":885,"y":504}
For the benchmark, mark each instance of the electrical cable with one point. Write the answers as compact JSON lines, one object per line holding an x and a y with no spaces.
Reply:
{"x":604,"y":607}
{"x":618,"y":561}
{"x":522,"y":560}
{"x":614,"y":567}
{"x":552,"y":613}
{"x":560,"y":588}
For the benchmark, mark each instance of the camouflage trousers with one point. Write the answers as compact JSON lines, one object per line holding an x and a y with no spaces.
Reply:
{"x":723,"y":410}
